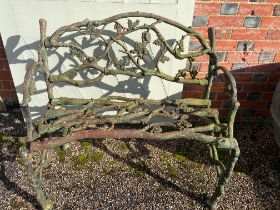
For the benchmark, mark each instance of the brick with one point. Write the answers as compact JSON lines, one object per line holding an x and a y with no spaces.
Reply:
{"x":225,"y":45}
{"x":252,"y":22}
{"x":203,"y":32}
{"x":203,"y":58}
{"x":253,"y":104}
{"x":222,"y":33}
{"x":219,"y":86}
{"x":192,"y":87}
{"x":237,"y":1}
{"x":274,"y":77}
{"x":266,"y":56}
{"x":267,"y":96}
{"x":227,"y":104}
{"x":222,"y":21}
{"x":5,"y":75}
{"x":8,"y":93}
{"x":6,"y":85}
{"x":276,"y":11}
{"x":270,"y":22}
{"x":268,"y":68}
{"x":4,"y":65}
{"x":257,"y":0}
{"x":239,"y":67}
{"x":224,"y":112}
{"x":273,"y":35}
{"x":221,"y":56}
{"x":229,"y":8}
{"x":239,"y":57}
{"x":200,"y":75}
{"x":254,"y":96}
{"x":249,"y":113}
{"x":263,"y":113}
{"x":213,"y":96}
{"x":216,"y":104}
{"x":242,"y":77}
{"x":203,"y":67}
{"x":200,"y":21}
{"x":253,"y":86}
{"x":222,"y":96}
{"x":187,"y":94}
{"x":12,"y":85}
{"x":226,"y":65}
{"x":267,"y":45}
{"x":2,"y":53}
{"x":259,"y":77}
{"x":202,"y":8}
{"x":245,"y":46}
{"x":241,"y":95}
{"x":255,"y":9}
{"x":248,"y":34}
{"x":194,"y":46}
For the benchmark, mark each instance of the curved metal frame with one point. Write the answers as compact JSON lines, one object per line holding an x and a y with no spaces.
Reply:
{"x":84,"y":123}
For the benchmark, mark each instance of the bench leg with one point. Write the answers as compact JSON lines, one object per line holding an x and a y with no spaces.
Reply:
{"x":223,"y":180}
{"x":35,"y":176}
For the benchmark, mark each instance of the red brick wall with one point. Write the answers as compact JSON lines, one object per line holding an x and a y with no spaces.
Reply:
{"x":248,"y":44}
{"x":7,"y":88}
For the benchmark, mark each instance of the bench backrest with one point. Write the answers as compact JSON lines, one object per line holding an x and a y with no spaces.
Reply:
{"x":124,"y":44}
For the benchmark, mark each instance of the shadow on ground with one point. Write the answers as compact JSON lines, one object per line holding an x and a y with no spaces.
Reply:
{"x":259,"y":162}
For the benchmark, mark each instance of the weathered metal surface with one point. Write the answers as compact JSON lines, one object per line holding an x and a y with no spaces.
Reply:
{"x":88,"y":118}
{"x":191,"y":134}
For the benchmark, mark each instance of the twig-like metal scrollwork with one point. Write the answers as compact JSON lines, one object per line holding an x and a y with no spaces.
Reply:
{"x":189,"y":118}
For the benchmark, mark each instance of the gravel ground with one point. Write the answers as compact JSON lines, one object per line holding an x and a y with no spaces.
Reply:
{"x":134,"y":174}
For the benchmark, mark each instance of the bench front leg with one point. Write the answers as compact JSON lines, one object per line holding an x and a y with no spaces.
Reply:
{"x":224,"y":176}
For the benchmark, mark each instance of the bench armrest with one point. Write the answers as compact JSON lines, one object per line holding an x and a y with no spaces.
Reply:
{"x":231,"y":91}
{"x":28,"y":90}
{"x":29,"y":83}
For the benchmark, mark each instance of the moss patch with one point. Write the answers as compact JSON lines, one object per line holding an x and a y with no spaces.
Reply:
{"x":81,"y":160}
{"x":165,"y":158}
{"x":201,"y":176}
{"x":108,"y":167}
{"x":180,"y":157}
{"x":140,"y":168}
{"x":61,"y":154}
{"x":16,"y":203}
{"x":123,"y":146}
{"x":21,"y":161}
{"x":86,"y":143}
{"x":96,"y":157}
{"x":172,"y":172}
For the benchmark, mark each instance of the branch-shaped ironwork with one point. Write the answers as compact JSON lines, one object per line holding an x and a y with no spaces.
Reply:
{"x":190,"y":118}
{"x":88,"y":27}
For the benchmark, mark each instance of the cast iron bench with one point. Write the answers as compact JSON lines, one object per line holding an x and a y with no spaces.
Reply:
{"x":73,"y":119}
